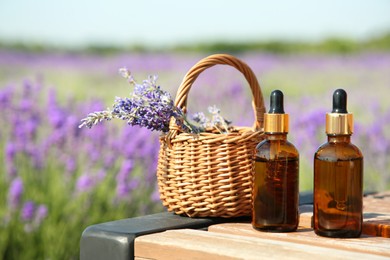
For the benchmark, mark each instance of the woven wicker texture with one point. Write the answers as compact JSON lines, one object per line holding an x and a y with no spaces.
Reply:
{"x":210,"y":174}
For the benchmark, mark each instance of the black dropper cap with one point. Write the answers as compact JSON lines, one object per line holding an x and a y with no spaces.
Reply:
{"x":340,"y":101}
{"x":339,"y":121}
{"x":276,"y":121}
{"x":276,"y":102}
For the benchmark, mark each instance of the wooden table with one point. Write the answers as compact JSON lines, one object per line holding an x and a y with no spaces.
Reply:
{"x":241,"y":241}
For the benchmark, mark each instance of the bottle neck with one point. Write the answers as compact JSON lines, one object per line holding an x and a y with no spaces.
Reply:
{"x":339,"y":138}
{"x":276,"y":136}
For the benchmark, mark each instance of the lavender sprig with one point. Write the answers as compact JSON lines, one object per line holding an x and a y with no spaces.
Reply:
{"x":216,"y":121}
{"x":96,"y":117}
{"x":148,"y":106}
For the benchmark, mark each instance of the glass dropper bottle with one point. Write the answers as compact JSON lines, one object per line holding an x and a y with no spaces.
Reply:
{"x":275,"y":190}
{"x":338,"y":176}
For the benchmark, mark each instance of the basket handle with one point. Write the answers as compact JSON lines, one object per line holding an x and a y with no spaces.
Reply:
{"x":224,"y":59}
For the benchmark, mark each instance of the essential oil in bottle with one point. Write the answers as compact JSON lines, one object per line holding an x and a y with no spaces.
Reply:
{"x":338,"y":176}
{"x":275,"y":192}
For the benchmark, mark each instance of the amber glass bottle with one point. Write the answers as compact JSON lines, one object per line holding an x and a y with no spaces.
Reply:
{"x":338,"y":176}
{"x":275,"y":190}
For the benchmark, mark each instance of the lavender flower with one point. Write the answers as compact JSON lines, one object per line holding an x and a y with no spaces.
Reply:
{"x":6,"y":96}
{"x":216,"y":121}
{"x":15,"y":193}
{"x":28,"y":211}
{"x":41,"y":213}
{"x":148,"y":106}
{"x":33,"y":215}
{"x":84,"y":183}
{"x":55,"y":114}
{"x":123,"y":183}
{"x":11,"y":150}
{"x":70,"y":164}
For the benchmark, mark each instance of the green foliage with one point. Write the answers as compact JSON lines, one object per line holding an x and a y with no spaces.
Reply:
{"x":380,"y":43}
{"x":37,"y":143}
{"x":330,"y":45}
{"x":69,"y":213}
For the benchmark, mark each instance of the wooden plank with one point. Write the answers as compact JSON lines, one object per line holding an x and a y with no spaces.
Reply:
{"x":196,"y":244}
{"x":366,"y":244}
{"x":376,"y":209}
{"x":378,"y":225}
{"x":374,"y":224}
{"x":376,"y":215}
{"x":378,"y":202}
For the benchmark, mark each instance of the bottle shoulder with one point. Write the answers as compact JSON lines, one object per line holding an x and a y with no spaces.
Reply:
{"x":280,"y":148}
{"x":338,"y":151}
{"x":267,"y":142}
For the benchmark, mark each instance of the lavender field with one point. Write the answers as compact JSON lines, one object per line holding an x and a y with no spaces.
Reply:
{"x":57,"y":179}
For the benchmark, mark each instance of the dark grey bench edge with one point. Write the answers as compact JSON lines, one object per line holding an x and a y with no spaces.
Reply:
{"x":115,"y":240}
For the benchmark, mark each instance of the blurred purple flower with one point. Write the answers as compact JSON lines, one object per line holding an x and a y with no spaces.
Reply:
{"x":25,"y":105}
{"x":93,"y":152}
{"x":156,"y":194}
{"x":10,"y":151}
{"x":109,"y":160}
{"x":84,"y":183}
{"x":70,"y":165}
{"x":15,"y":193}
{"x":6,"y":96}
{"x":32,"y":215}
{"x":41,"y":213}
{"x":28,"y":211}
{"x":125,"y":170}
{"x":309,"y":126}
{"x":28,"y":88}
{"x":123,"y":183}
{"x":123,"y":189}
{"x":55,"y":113}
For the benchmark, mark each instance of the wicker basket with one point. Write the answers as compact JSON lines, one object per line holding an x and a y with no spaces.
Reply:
{"x":210,"y":174}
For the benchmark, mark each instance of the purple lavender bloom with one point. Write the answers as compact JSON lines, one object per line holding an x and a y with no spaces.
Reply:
{"x":123,"y":189}
{"x":84,"y":183}
{"x":6,"y":96}
{"x":41,"y":213}
{"x":109,"y":160}
{"x":10,"y":151}
{"x":70,"y":165}
{"x":28,"y":211}
{"x":27,"y":89}
{"x":31,"y":126}
{"x":55,"y":114}
{"x":122,"y":179}
{"x":15,"y":193}
{"x":25,"y":105}
{"x":127,"y":167}
{"x":200,"y":118}
{"x":155,"y":195}
{"x":216,"y":121}
{"x":149,"y":106}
